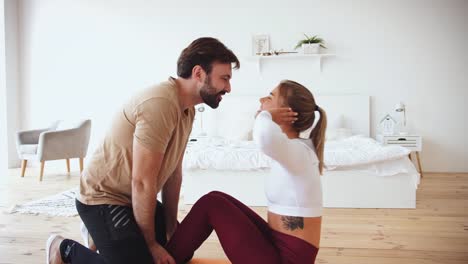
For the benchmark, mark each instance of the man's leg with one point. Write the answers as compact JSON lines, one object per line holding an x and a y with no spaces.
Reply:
{"x":160,"y":224}
{"x":115,"y":234}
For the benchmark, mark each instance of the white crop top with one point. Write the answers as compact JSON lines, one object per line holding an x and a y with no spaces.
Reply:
{"x":294,"y":187}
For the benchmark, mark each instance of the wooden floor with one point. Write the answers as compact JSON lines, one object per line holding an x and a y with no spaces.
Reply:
{"x":436,"y":232}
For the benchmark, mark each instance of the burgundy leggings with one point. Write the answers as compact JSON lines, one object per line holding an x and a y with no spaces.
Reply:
{"x":245,"y":237}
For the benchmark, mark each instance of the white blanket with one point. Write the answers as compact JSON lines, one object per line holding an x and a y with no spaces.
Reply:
{"x":359,"y":150}
{"x":223,"y":154}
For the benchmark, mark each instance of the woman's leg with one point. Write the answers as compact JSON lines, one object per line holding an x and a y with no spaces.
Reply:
{"x":242,"y":240}
{"x":258,"y":220}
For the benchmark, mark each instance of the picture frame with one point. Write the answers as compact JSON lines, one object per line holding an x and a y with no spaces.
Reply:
{"x":260,"y":44}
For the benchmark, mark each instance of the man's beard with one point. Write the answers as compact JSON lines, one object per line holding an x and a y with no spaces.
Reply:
{"x":209,"y":95}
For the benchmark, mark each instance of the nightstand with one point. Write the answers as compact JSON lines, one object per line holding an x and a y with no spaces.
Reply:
{"x":411,"y":142}
{"x":192,"y":141}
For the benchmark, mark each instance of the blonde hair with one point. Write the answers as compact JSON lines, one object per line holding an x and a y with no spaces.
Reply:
{"x":300,"y":100}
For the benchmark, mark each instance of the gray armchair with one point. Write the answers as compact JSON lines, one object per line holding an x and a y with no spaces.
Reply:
{"x":52,"y":144}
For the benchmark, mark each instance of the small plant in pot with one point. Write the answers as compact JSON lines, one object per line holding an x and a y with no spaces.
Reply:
{"x":310,"y":45}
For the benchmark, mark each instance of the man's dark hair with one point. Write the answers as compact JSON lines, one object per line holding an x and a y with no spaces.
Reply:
{"x":203,"y":52}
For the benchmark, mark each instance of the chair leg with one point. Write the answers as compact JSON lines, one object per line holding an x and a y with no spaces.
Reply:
{"x":42,"y":170}
{"x":419,"y":165}
{"x":68,"y":165}
{"x":24,"y":163}
{"x":81,"y":164}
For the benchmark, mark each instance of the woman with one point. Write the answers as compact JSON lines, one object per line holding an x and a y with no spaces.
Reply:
{"x":293,"y":190}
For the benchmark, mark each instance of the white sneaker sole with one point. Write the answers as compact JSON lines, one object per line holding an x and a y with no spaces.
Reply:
{"x":48,"y":244}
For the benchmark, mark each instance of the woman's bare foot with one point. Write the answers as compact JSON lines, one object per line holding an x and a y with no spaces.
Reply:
{"x":53,"y":250}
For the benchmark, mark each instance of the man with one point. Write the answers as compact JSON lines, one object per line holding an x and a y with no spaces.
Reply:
{"x":142,"y":155}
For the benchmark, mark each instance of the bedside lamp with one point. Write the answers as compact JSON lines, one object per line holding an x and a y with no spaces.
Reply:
{"x":400,"y":108}
{"x":201,"y":109}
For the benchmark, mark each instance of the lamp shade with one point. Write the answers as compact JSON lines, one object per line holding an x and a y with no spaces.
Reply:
{"x":400,"y":107}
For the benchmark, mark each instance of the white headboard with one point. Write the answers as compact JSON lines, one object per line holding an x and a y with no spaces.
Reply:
{"x":235,"y":115}
{"x":352,"y":110}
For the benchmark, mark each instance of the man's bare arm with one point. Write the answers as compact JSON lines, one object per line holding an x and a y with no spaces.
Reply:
{"x":170,"y":199}
{"x":146,"y":166}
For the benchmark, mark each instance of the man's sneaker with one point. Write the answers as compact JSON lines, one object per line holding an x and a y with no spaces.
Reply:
{"x":53,"y":250}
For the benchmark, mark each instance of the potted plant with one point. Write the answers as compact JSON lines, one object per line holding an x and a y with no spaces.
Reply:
{"x":310,"y":45}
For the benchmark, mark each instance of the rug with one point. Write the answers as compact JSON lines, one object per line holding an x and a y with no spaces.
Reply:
{"x":62,"y":204}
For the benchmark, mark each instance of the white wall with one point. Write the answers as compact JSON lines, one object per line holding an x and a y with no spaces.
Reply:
{"x":3,"y":127}
{"x":84,"y":58}
{"x":12,"y":79}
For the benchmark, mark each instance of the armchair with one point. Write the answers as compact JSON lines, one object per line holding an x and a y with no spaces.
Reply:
{"x":53,"y":144}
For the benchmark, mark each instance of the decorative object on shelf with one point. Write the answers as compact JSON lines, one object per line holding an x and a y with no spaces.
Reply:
{"x":275,"y":52}
{"x":400,"y":108}
{"x":310,"y":45}
{"x":201,"y":109}
{"x":260,"y":44}
{"x":387,"y":125}
{"x":259,"y":59}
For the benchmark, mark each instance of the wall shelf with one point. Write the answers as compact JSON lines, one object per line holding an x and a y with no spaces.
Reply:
{"x":317,"y":57}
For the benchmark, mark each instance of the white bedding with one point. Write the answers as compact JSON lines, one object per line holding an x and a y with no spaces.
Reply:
{"x":359,"y":150}
{"x":223,"y":154}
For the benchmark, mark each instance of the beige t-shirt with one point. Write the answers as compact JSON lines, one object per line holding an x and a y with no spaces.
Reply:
{"x":155,"y":119}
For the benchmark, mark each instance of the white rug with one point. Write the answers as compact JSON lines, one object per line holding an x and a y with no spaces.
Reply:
{"x":62,"y":204}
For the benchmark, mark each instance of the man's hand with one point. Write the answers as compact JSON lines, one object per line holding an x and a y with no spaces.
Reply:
{"x":160,"y":255}
{"x":283,"y":115}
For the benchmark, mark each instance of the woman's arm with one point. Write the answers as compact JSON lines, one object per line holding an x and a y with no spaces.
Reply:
{"x":268,"y":135}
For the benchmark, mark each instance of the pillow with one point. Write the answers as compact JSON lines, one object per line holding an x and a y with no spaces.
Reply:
{"x":234,"y":119}
{"x":335,"y":126}
{"x":335,"y":122}
{"x":250,"y":135}
{"x":238,"y":127}
{"x":336,"y":129}
{"x":338,"y":133}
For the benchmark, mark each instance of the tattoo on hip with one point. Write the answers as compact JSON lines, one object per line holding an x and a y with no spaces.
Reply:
{"x":292,"y":222}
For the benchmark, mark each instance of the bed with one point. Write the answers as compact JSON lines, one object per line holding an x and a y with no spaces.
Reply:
{"x":360,"y":173}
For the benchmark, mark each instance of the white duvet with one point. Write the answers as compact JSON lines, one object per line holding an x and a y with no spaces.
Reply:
{"x":224,"y":154}
{"x":359,"y":150}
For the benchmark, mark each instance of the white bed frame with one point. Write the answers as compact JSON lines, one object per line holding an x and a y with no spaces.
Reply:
{"x":342,"y":189}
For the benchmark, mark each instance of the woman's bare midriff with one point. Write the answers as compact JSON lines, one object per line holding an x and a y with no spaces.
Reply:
{"x":305,"y":228}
